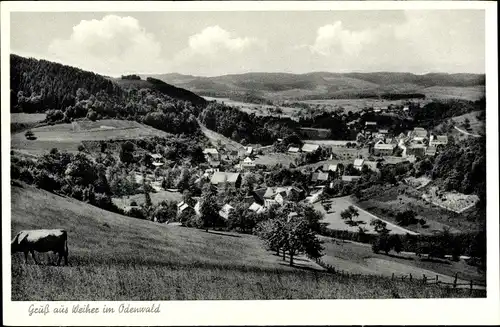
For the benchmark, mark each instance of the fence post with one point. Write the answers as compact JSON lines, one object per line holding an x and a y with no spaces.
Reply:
{"x":424,"y":279}
{"x":455,"y":281}
{"x":437,"y":279}
{"x":410,"y":278}
{"x":392,"y":278}
{"x":402,"y":278}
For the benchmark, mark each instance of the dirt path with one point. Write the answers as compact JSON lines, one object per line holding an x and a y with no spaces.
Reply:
{"x":465,"y":132}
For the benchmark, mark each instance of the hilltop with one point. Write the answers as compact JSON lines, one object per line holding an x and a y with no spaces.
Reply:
{"x":324,"y":85}
{"x":113,"y":257}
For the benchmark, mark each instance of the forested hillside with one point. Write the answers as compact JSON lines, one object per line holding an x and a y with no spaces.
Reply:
{"x":66,"y":93}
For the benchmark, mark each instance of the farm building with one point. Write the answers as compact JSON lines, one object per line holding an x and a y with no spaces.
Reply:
{"x":184,"y":207}
{"x":225,"y":211}
{"x":320,"y":177}
{"x":293,"y":150}
{"x":381,"y":149}
{"x":438,"y":140}
{"x":358,"y":164}
{"x":350,"y":178}
{"x":219,"y":178}
{"x":308,"y":148}
{"x":249,"y":151}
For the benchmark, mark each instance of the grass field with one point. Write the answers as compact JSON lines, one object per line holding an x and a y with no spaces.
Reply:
{"x":471,"y":93}
{"x":113,"y":257}
{"x":216,"y":139}
{"x":257,"y":109}
{"x":356,"y":105}
{"x":26,"y":118}
{"x":68,"y":137}
{"x":334,"y":220}
{"x":359,"y":258}
{"x":275,"y":158}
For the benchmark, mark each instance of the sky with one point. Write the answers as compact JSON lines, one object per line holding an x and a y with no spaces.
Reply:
{"x":219,"y":43}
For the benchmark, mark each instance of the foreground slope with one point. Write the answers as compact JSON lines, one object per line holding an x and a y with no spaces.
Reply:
{"x":113,"y":257}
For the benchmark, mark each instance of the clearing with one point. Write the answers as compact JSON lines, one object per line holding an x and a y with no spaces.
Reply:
{"x":26,"y":118}
{"x":67,"y":137}
{"x":113,"y":257}
{"x":336,"y":222}
{"x":157,"y":197}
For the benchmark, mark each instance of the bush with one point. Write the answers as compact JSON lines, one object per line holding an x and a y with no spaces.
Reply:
{"x":133,"y":204}
{"x":136,"y":213}
{"x":30,"y":135}
{"x":26,"y":176}
{"x":45,"y":181}
{"x":15,"y":172}
{"x":54,"y":115}
{"x":81,"y":148}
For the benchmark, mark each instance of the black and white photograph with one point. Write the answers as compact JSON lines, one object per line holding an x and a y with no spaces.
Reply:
{"x":181,"y":155}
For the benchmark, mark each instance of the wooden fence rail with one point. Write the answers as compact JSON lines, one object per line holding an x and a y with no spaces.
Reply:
{"x":425,"y":280}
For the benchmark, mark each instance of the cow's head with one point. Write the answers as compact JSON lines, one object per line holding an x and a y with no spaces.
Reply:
{"x":14,"y":245}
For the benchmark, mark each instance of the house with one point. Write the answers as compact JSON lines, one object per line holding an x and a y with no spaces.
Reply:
{"x":214,"y":164}
{"x":370,"y":125}
{"x":257,"y":208}
{"x":419,"y":132}
{"x":430,"y":151}
{"x":315,"y":196}
{"x":249,"y":151}
{"x":219,"y":178}
{"x":438,"y":140}
{"x":157,"y":160}
{"x":308,"y":148}
{"x":372,"y":165}
{"x":358,"y":164}
{"x":211,"y":154}
{"x":197,"y":208}
{"x":383,"y":131}
{"x":406,"y":108}
{"x":278,"y":195}
{"x":247,"y":163}
{"x":381,"y":149}
{"x":184,"y":207}
{"x":350,"y":178}
{"x":225,"y":211}
{"x":293,"y":150}
{"x":320,"y":177}
{"x":417,"y":150}
{"x":258,"y":195}
{"x":329,"y":167}
{"x":419,"y":139}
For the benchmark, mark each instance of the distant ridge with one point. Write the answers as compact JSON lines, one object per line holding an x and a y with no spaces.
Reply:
{"x":319,"y":85}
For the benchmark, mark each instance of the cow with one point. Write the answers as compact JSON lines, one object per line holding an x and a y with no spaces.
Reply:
{"x":41,"y":240}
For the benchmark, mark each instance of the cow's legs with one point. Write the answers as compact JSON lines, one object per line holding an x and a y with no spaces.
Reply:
{"x":61,"y":253}
{"x":25,"y":256}
{"x":66,"y":257}
{"x":34,"y":258}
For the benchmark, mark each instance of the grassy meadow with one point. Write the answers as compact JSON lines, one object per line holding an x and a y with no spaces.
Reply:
{"x":112,"y":257}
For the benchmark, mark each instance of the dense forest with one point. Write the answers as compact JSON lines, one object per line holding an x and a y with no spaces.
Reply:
{"x":243,"y":127}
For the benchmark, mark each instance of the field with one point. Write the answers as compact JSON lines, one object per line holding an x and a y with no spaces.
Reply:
{"x":275,"y":158}
{"x":26,"y":118}
{"x":359,"y":258}
{"x":471,"y":93}
{"x":218,"y":139}
{"x":123,"y":202}
{"x":68,"y":137}
{"x":113,"y":257}
{"x":334,"y":220}
{"x":257,"y":109}
{"x":386,"y":202}
{"x":453,"y":201}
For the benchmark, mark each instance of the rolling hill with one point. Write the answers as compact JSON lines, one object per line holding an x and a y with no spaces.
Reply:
{"x":324,"y":85}
{"x":113,"y":257}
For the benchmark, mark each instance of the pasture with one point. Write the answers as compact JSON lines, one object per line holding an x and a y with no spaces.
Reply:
{"x":274,"y":158}
{"x":336,"y":222}
{"x":217,"y":139}
{"x":113,"y":257}
{"x":257,"y":109}
{"x":356,"y":105}
{"x":358,"y":258}
{"x":67,"y":137}
{"x":471,"y":93}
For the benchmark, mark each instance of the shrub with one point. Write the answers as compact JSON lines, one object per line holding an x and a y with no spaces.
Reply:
{"x":30,"y":135}
{"x":81,"y":148}
{"x":26,"y":176}
{"x":15,"y":172}
{"x":133,"y":204}
{"x":45,"y":181}
{"x":136,"y":213}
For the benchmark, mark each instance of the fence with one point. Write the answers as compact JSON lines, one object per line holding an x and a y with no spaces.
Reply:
{"x":424,"y":280}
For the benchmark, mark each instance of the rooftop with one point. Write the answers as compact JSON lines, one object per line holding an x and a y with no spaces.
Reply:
{"x":310,"y":147}
{"x":222,"y":177}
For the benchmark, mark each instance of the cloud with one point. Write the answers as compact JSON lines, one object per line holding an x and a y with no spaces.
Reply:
{"x":335,"y":39}
{"x":214,"y":39}
{"x":112,"y":44}
{"x":214,"y":50}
